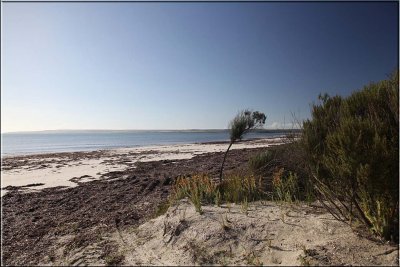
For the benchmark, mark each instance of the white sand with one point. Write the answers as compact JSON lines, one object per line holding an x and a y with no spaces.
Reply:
{"x":52,"y":176}
{"x":269,"y":234}
{"x":187,"y":151}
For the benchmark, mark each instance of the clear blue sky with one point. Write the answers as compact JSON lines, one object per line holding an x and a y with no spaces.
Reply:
{"x":185,"y":65}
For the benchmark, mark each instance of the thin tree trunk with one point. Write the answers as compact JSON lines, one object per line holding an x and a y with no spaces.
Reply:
{"x":223,"y":162}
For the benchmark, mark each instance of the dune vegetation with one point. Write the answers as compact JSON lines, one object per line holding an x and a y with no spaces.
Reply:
{"x":346,"y":156}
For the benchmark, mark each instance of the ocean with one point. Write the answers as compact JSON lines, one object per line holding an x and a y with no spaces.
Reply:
{"x":73,"y":141}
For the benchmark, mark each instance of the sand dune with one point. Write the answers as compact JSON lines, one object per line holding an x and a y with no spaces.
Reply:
{"x":266,"y":234}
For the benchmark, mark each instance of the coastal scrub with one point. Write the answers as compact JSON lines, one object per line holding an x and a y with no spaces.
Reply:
{"x":352,"y":146}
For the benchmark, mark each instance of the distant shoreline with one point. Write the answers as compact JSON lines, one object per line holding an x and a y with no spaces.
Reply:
{"x":23,"y":144}
{"x":139,"y":147}
{"x":56,"y":154}
{"x":57,"y":169}
{"x":144,"y":130}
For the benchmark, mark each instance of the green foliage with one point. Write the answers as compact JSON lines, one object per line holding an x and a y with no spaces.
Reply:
{"x":196,"y":200}
{"x":286,"y":186}
{"x":286,"y":164}
{"x":352,"y":147}
{"x":243,"y":122}
{"x":201,"y":189}
{"x":198,"y":188}
{"x":261,"y":161}
{"x":237,"y":188}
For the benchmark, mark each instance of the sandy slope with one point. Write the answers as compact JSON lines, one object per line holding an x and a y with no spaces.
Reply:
{"x":269,"y":234}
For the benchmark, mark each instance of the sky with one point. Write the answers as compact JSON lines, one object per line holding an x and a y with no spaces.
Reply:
{"x":185,"y":65}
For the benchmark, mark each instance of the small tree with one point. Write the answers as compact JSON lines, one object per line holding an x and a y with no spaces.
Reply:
{"x":240,"y":125}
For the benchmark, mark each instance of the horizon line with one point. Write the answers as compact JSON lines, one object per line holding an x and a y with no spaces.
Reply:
{"x":121,"y":130}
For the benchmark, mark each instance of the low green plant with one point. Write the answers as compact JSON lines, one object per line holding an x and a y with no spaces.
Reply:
{"x":200,"y":188}
{"x":286,"y":186}
{"x":289,"y":156}
{"x":261,"y":161}
{"x":236,"y":188}
{"x":196,"y":200}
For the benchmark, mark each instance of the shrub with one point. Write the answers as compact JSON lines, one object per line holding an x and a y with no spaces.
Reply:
{"x":238,"y":188}
{"x":286,"y":186}
{"x":261,"y":161}
{"x":352,"y":149}
{"x":201,"y":189}
{"x":290,"y":159}
{"x":198,"y":188}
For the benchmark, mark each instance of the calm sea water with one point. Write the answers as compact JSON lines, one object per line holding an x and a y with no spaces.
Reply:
{"x":71,"y":141}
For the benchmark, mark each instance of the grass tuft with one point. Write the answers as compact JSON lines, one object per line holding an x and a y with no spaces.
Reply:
{"x":200,"y":189}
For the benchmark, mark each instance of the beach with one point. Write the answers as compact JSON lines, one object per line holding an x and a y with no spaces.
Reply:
{"x":162,"y":133}
{"x":47,"y":197}
{"x":84,"y":208}
{"x":38,"y":171}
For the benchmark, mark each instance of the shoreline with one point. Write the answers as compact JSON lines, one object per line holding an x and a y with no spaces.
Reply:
{"x":48,"y":153}
{"x":38,"y":171}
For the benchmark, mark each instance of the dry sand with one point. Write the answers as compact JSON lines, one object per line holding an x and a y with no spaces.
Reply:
{"x":54,"y":170}
{"x":265,"y":234}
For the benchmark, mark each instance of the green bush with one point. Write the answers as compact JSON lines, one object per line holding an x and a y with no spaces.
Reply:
{"x":352,"y":146}
{"x":237,"y":188}
{"x":290,"y":160}
{"x":200,"y":189}
{"x":286,"y":186}
{"x":261,"y":161}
